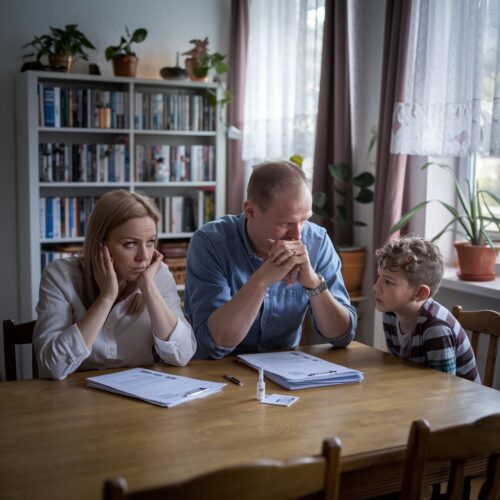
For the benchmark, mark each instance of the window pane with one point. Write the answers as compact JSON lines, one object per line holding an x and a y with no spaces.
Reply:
{"x":488,"y":177}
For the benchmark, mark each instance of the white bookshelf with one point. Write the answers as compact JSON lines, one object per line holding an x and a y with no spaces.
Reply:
{"x":31,"y":133}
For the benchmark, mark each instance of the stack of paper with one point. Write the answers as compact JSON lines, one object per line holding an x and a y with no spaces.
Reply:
{"x":155,"y":387}
{"x":299,"y":370}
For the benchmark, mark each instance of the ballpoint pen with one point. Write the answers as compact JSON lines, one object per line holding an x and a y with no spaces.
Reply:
{"x":233,"y":379}
{"x":195,"y":392}
{"x":321,"y":373}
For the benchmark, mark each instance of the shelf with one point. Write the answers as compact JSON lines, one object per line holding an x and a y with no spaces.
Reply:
{"x":122,"y":152}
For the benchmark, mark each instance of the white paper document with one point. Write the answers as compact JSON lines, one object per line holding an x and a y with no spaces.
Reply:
{"x":155,"y":387}
{"x":279,"y":400}
{"x":300,"y":370}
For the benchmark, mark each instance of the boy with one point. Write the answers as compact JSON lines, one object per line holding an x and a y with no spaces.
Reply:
{"x":416,"y":327}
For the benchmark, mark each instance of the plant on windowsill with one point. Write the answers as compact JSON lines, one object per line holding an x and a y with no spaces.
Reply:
{"x":201,"y":63}
{"x":60,"y":47}
{"x":477,"y":254}
{"x":123,"y":57}
{"x":353,"y":257}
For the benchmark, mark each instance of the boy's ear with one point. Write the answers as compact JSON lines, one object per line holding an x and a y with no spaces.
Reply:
{"x":422,"y":293}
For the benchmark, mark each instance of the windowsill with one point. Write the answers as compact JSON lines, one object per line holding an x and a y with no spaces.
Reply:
{"x":490,"y":289}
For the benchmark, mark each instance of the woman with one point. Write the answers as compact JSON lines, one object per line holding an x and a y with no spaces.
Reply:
{"x":116,"y":306}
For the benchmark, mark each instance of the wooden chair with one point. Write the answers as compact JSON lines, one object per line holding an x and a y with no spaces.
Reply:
{"x":482,"y":322}
{"x":456,"y":444}
{"x":263,"y":479}
{"x":13,"y":334}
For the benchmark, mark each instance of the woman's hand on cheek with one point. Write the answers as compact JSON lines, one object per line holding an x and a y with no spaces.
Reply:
{"x":105,"y":274}
{"x":153,"y":268}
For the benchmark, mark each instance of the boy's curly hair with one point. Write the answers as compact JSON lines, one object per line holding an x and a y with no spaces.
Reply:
{"x":419,"y":259}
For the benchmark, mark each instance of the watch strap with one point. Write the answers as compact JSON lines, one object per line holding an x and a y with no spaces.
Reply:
{"x":311,"y":292}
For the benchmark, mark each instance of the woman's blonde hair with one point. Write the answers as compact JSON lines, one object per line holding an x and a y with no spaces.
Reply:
{"x":113,"y":209}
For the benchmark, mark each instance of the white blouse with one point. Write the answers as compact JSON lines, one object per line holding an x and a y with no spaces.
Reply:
{"x":125,"y":340}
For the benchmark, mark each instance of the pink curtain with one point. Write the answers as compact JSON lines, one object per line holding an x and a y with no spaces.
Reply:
{"x":333,"y":131}
{"x":235,"y":171}
{"x":390,"y":169}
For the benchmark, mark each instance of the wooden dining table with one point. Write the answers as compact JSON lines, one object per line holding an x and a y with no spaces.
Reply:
{"x":62,"y":439}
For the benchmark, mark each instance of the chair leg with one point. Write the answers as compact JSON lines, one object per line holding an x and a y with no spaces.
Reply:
{"x":467,"y":488}
{"x":436,"y":491}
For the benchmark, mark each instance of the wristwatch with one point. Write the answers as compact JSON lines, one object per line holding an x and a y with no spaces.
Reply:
{"x":311,"y":292}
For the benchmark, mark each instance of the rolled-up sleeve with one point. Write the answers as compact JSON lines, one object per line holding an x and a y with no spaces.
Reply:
{"x":181,"y":345}
{"x":207,"y":289}
{"x":329,"y":266}
{"x":58,"y":343}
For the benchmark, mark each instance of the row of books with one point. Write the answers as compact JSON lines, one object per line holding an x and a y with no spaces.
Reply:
{"x":59,"y":252}
{"x":181,"y":214}
{"x":165,"y":163}
{"x":67,"y":216}
{"x":83,"y":162}
{"x":173,"y":111}
{"x":80,"y":107}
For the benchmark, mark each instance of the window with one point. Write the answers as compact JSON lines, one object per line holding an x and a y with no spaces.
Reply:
{"x":488,"y":177}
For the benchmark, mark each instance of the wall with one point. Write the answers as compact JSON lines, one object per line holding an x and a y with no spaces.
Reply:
{"x":368,"y":18}
{"x":171,"y":24}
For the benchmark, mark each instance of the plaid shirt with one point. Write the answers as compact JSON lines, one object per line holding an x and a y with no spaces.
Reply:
{"x":437,"y":341}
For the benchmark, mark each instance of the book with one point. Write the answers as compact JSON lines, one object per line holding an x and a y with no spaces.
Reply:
{"x":159,"y":388}
{"x":300,"y":370}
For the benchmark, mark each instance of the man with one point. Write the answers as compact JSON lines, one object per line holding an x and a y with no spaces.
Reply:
{"x":252,"y":277}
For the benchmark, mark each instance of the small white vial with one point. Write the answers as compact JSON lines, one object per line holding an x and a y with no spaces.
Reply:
{"x":261,"y":386}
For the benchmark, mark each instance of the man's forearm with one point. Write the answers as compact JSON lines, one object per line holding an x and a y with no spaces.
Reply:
{"x":230,"y":323}
{"x":332,"y":318}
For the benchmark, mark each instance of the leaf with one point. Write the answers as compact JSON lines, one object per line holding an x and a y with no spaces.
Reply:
{"x":319,"y":199}
{"x":139,"y":35}
{"x":341,"y":214}
{"x":340,"y":171}
{"x":363,"y":180}
{"x":365,"y":196}
{"x":407,"y":216}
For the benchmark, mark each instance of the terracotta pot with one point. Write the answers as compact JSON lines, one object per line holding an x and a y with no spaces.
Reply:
{"x":61,"y":62}
{"x":353,"y":269}
{"x":125,"y":65}
{"x":477,"y":263}
{"x":190,"y":71}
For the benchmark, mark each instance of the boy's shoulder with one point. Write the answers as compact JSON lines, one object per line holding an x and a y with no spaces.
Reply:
{"x":433,"y":311}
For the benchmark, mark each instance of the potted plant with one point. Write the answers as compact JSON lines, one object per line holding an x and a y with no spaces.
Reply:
{"x":477,"y":254}
{"x":124,"y":59}
{"x":201,"y":62}
{"x":353,"y":257}
{"x":61,"y":46}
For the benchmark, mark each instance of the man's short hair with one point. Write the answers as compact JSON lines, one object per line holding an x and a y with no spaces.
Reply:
{"x":419,"y":259}
{"x":271,"y":179}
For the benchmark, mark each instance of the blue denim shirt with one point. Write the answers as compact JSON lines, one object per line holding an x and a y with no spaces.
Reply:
{"x":221,"y":260}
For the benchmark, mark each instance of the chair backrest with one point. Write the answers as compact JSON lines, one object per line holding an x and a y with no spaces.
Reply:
{"x":263,"y":479}
{"x":456,"y":444}
{"x":13,"y":334}
{"x":480,"y":322}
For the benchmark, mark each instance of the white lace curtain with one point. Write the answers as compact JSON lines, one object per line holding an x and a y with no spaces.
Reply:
{"x":452,"y":82}
{"x":282,"y":78}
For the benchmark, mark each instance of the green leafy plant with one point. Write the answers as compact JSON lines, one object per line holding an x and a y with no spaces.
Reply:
{"x":470,"y":217}
{"x":343,"y":172}
{"x":67,"y":40}
{"x":124,"y":47}
{"x":203,"y":62}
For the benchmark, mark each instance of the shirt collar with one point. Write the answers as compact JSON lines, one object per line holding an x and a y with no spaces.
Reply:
{"x":242,"y":230}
